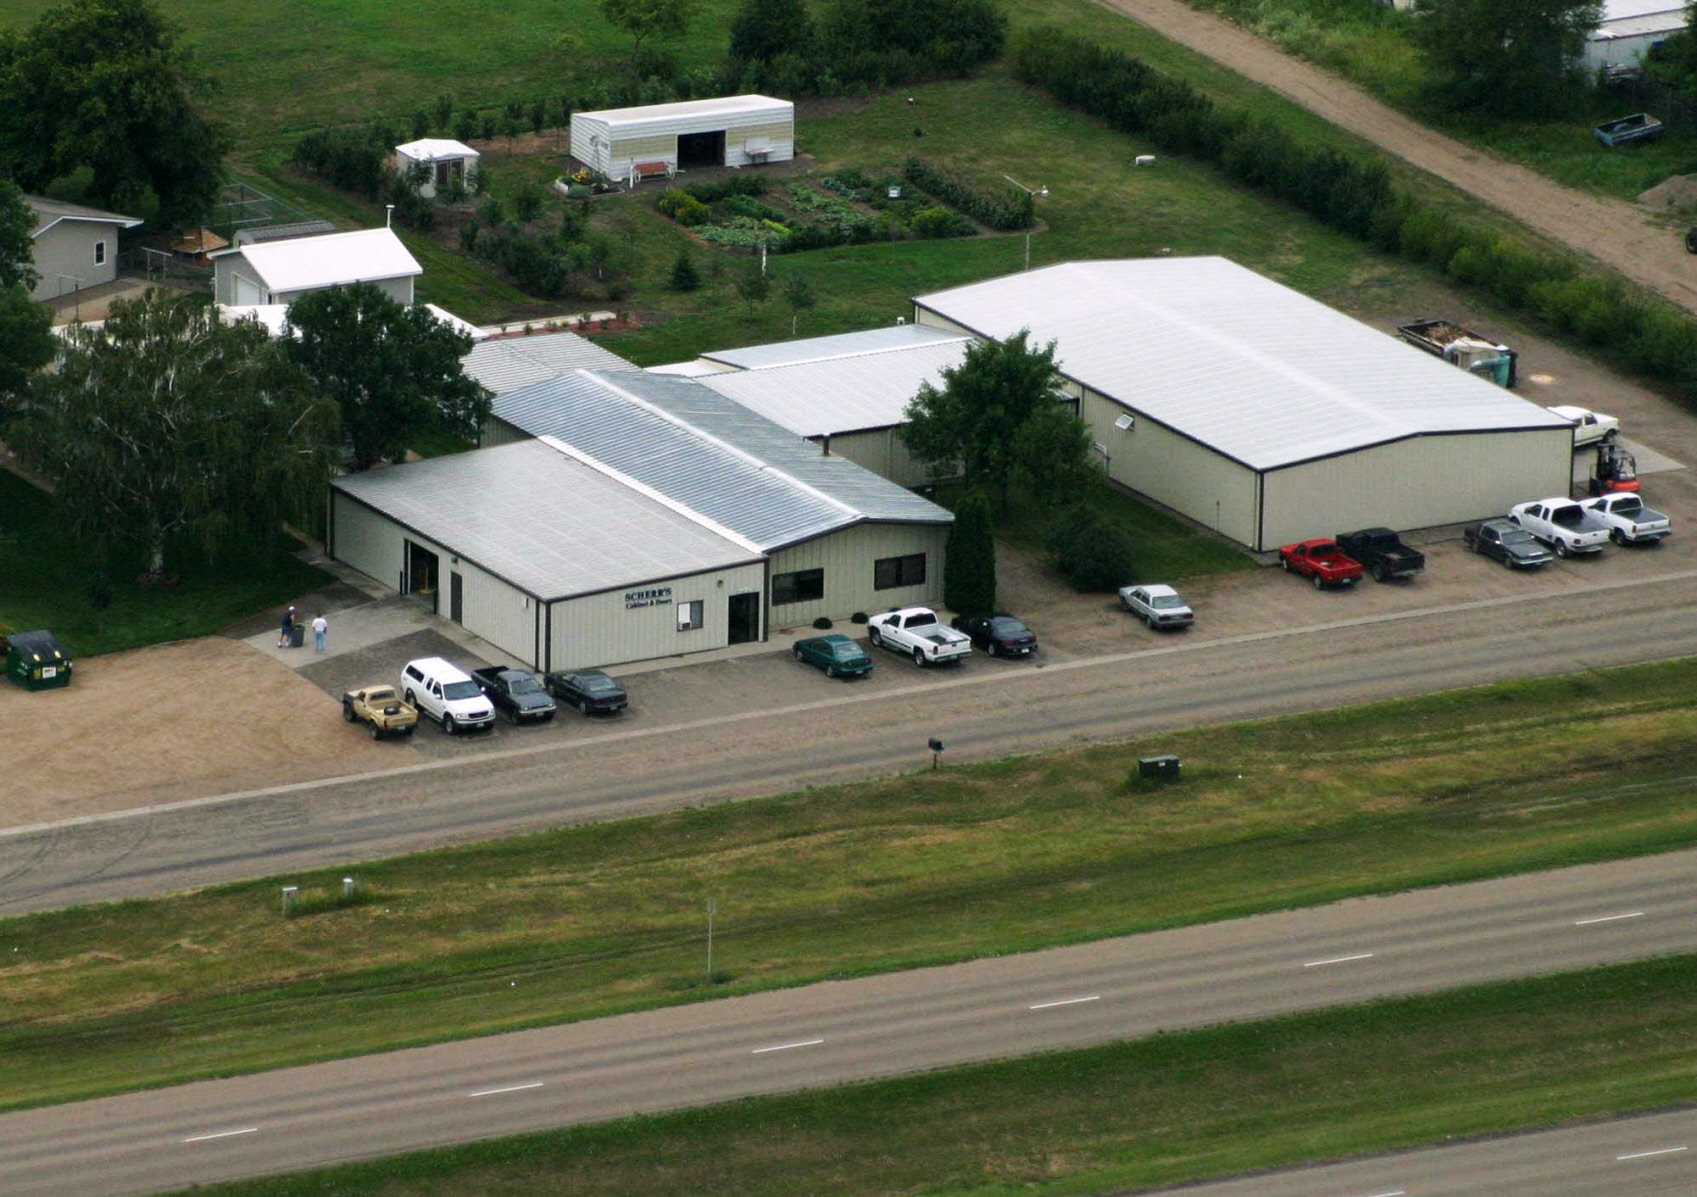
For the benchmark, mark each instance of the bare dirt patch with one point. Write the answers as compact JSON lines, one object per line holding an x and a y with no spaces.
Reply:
{"x":169,"y":722}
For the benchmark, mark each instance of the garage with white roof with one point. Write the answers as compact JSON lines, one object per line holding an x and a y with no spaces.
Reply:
{"x":273,"y":272}
{"x":1259,"y":412}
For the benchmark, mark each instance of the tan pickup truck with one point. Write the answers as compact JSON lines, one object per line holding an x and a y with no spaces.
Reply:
{"x":382,"y":709}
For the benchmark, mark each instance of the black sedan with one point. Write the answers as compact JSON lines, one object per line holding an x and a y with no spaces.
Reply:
{"x":999,"y":634}
{"x":589,"y":690}
{"x":1507,"y":542}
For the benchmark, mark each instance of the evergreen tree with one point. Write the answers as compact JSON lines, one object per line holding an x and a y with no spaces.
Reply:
{"x":684,"y":275}
{"x":969,"y":569}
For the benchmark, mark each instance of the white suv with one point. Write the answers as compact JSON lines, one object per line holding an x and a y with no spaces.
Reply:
{"x":446,"y":694}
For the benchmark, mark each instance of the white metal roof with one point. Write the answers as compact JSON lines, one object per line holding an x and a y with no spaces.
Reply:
{"x":551,"y":525}
{"x":685,"y":109}
{"x":1257,"y":371}
{"x":1622,"y":10}
{"x":820,"y":349}
{"x":331,"y":260}
{"x":432,"y":149}
{"x":711,"y":455}
{"x":842,"y":394}
{"x":505,"y":364}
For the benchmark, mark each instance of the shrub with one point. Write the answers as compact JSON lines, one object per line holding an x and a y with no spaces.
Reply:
{"x":682,"y":207}
{"x":1089,"y":551}
{"x":712,"y":193}
{"x":936,"y":223}
{"x":823,"y":624}
{"x":1002,"y":208}
{"x":858,"y":617}
{"x":354,"y":159}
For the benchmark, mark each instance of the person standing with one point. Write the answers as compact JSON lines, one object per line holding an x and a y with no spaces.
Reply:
{"x":285,"y":628}
{"x":320,"y":629}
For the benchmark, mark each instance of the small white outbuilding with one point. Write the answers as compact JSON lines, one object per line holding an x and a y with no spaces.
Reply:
{"x":628,"y":144}
{"x":444,"y":159}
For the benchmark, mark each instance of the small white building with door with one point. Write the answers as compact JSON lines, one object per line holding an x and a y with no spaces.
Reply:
{"x":1629,"y":30}
{"x":271,"y":272}
{"x":72,"y":246}
{"x":439,"y":162}
{"x":726,"y":131}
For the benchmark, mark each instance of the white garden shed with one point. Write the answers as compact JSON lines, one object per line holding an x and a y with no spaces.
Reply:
{"x":445,"y":160}
{"x":629,"y":144}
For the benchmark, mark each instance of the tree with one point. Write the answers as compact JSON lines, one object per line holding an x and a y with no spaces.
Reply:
{"x":979,"y":420}
{"x":800,"y":297}
{"x":1051,"y":455}
{"x":17,"y":246}
{"x":166,"y":422}
{"x":394,"y":372}
{"x":643,"y":19}
{"x":27,"y":343}
{"x":106,"y":85}
{"x":1091,"y":552}
{"x":754,"y":286}
{"x":969,"y":566}
{"x":1510,"y":57}
{"x":764,"y":29}
{"x":685,"y":277}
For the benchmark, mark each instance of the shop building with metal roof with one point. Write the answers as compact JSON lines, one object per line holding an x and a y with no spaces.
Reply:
{"x":629,"y":144}
{"x":505,"y":364}
{"x":1262,"y":413}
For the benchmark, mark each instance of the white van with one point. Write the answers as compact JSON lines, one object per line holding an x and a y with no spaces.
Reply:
{"x":446,"y":694}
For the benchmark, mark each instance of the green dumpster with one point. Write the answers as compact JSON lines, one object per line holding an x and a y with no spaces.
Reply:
{"x":35,"y":661}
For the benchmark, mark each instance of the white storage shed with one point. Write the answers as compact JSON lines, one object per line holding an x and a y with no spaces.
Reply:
{"x":1261,"y":413}
{"x":632,"y":143}
{"x":443,"y":159}
{"x":275,"y":272}
{"x":1629,"y":30}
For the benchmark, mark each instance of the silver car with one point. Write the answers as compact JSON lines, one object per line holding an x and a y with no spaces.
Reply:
{"x":1156,"y":605}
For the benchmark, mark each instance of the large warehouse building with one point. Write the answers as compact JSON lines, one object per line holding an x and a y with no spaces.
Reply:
{"x":1259,"y":412}
{"x":617,"y":516}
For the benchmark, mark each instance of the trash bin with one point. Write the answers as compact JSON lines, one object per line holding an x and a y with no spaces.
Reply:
{"x":297,"y":635}
{"x":1162,"y":767}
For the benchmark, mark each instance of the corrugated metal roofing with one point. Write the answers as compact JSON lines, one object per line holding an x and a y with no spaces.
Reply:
{"x":548,"y":524}
{"x":429,"y":149}
{"x":1254,"y":369}
{"x":712,"y":455}
{"x":280,"y":232}
{"x":685,"y":109}
{"x":509,"y":363}
{"x":819,"y":349}
{"x":331,"y":260}
{"x":1620,"y":10}
{"x":842,"y":394}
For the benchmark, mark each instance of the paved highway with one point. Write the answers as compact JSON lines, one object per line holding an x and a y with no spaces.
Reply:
{"x":982,"y":712}
{"x":1653,"y":1156}
{"x":1348,"y":952}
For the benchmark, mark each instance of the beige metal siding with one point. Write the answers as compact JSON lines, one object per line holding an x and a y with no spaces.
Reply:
{"x":847,"y":558}
{"x":930,"y":319}
{"x":369,"y":542}
{"x":1417,"y":483}
{"x":64,"y":257}
{"x":1188,"y":477}
{"x":497,"y":431}
{"x":883,"y":452}
{"x":607,"y":629}
{"x":398,"y":289}
{"x":647,"y":147}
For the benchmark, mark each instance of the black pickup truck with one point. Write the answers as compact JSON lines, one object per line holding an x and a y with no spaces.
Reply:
{"x":514,"y":691}
{"x":1382,"y":553}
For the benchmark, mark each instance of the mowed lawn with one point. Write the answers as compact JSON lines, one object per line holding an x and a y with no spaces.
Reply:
{"x":920,"y":869}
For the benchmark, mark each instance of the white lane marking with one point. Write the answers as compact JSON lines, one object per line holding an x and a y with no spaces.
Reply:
{"x":507,"y":1089}
{"x":784,"y":1047}
{"x":1339,"y":960}
{"x":220,"y":1135}
{"x":590,"y":743}
{"x":1392,"y":1193}
{"x":1610,"y":918}
{"x":1638,"y":1155}
{"x":1065,"y":1002}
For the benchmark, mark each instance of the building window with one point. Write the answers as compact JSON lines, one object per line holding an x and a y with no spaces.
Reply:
{"x":100,"y":253}
{"x":890,"y":572}
{"x":689,"y":615}
{"x":803,"y":586}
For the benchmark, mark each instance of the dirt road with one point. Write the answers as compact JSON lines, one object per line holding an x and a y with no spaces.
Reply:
{"x":1618,"y":234}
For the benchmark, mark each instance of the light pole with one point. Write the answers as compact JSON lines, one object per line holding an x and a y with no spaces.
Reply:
{"x":1035,"y":194}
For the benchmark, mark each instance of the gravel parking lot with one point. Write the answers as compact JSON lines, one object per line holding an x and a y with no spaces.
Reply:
{"x":218,"y":715}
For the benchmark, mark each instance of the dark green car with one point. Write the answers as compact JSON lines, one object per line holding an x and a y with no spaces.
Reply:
{"x":836,"y":654}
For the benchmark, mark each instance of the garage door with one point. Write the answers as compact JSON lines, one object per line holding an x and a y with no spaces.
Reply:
{"x":248,"y":291}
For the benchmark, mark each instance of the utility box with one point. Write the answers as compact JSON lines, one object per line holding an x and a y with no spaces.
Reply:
{"x":35,"y":661}
{"x":1162,"y":768}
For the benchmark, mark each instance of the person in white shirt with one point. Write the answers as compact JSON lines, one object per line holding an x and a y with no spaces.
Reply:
{"x":320,"y":628}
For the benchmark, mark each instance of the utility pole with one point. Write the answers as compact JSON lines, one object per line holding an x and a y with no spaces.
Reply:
{"x":1036,"y":194}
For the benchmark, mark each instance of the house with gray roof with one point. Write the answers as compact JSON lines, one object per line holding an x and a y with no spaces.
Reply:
{"x":73,"y":246}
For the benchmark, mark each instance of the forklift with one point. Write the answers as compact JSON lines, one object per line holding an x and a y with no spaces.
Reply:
{"x":1614,"y":471}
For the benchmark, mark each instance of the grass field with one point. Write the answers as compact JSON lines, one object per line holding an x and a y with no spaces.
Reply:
{"x":1160,"y":1111}
{"x":913,"y":870}
{"x":43,"y":583}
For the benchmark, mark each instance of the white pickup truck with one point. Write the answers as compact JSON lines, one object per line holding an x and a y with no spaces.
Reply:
{"x":1629,"y":521}
{"x":918,"y":632}
{"x":1563,"y":525}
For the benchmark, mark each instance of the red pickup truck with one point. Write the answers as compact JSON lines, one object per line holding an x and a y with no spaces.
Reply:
{"x":1320,"y":560}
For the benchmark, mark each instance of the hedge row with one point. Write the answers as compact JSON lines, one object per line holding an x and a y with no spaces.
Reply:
{"x":1647,"y":336}
{"x":1004,"y":208}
